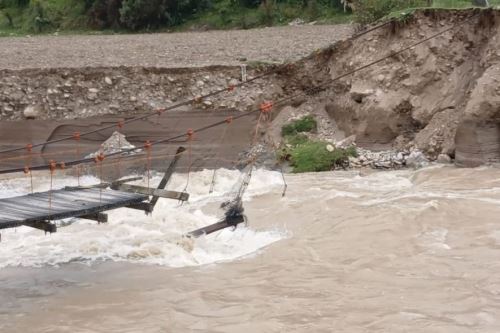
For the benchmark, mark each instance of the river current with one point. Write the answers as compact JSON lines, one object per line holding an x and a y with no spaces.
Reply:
{"x":350,"y":251}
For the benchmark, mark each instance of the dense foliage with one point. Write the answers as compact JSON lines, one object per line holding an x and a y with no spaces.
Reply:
{"x":26,"y":16}
{"x":38,"y":15}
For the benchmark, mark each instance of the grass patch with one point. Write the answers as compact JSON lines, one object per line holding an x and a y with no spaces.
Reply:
{"x":302,"y":125}
{"x":313,"y":156}
{"x":307,"y":155}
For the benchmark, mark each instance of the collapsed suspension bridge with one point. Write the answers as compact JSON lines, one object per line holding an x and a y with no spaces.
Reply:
{"x":40,"y":210}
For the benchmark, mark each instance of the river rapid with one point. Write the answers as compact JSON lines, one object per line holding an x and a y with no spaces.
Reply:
{"x":353,"y":251}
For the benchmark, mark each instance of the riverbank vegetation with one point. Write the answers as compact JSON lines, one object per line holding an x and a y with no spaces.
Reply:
{"x":102,"y":16}
{"x":306,"y":154}
{"x":45,"y":16}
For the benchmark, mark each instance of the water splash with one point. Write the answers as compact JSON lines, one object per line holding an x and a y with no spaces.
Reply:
{"x":132,"y":236}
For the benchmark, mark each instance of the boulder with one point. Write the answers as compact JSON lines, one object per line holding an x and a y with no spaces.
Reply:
{"x":31,"y":112}
{"x":416,"y":160}
{"x":444,"y":159}
{"x":114,"y":143}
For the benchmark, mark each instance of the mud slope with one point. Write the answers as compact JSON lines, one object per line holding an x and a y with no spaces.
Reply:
{"x":442,"y":96}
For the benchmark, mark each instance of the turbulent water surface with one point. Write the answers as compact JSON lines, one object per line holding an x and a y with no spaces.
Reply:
{"x":399,"y":251}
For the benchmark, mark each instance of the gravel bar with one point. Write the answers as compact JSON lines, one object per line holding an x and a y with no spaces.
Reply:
{"x":168,"y":50}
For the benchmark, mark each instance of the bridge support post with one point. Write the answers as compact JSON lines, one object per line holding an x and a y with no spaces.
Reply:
{"x":42,"y":225}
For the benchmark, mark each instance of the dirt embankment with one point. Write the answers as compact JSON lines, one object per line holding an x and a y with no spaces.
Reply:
{"x":441,"y":97}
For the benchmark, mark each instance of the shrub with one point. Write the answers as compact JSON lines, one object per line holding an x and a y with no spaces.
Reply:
{"x":140,"y":14}
{"x":314,"y":156}
{"x":304,"y":124}
{"x":268,"y":11}
{"x":247,"y":3}
{"x":289,"y":144}
{"x":104,"y":13}
{"x":137,"y":14}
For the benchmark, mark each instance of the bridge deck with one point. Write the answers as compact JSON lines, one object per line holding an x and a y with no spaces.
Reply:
{"x":65,"y":203}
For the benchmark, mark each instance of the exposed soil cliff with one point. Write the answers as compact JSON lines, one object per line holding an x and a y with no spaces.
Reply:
{"x":441,"y":97}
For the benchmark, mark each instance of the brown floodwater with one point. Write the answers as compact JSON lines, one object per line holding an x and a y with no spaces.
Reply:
{"x":396,"y":251}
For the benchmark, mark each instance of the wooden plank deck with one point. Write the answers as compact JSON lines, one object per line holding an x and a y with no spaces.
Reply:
{"x":65,"y":203}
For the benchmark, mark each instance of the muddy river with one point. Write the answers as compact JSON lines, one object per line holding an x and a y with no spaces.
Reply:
{"x":398,"y":251}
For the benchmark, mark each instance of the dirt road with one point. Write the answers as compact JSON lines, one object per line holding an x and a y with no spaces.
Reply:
{"x":190,"y":49}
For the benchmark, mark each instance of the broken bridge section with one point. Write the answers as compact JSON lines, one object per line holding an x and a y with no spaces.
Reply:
{"x":40,"y":210}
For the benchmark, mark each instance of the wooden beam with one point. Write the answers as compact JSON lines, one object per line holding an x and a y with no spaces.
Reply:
{"x":144,"y":206}
{"x":42,"y":225}
{"x":182,"y":196}
{"x":98,"y":217}
{"x":226,"y":223}
{"x":104,"y":185}
{"x":168,"y":174}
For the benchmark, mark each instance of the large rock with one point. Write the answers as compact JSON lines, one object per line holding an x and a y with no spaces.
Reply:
{"x":416,"y":160}
{"x":31,"y":112}
{"x":477,"y":143}
{"x":443,"y":159}
{"x":478,"y":136}
{"x":115,"y":143}
{"x":347,"y":142}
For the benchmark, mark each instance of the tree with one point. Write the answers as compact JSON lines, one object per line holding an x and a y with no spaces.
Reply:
{"x":137,"y":14}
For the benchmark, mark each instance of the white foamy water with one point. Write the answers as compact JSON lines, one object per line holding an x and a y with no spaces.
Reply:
{"x":132,"y":236}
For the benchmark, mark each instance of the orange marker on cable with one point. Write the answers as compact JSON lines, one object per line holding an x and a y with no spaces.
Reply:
{"x":266,"y":107}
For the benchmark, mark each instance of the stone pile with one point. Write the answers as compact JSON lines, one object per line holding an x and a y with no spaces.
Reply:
{"x":379,"y":160}
{"x":392,"y":159}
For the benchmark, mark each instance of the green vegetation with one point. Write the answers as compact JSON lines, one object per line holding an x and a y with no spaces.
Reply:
{"x":46,"y":16}
{"x":304,"y":124}
{"x":367,"y":11}
{"x":314,"y":156}
{"x":306,"y":155}
{"x":35,"y":16}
